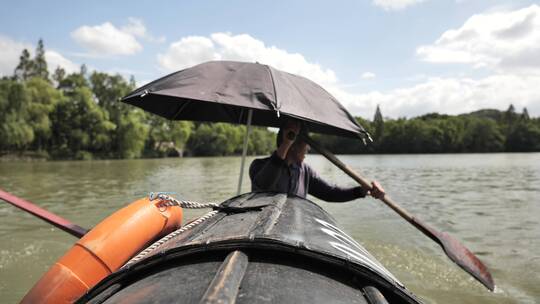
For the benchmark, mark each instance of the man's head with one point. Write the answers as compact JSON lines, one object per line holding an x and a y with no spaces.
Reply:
{"x":290,"y":125}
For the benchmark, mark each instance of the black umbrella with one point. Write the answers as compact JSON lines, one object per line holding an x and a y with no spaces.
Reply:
{"x":223,"y":91}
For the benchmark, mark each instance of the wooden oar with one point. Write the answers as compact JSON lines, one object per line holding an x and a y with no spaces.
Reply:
{"x":43,"y":214}
{"x":452,"y":247}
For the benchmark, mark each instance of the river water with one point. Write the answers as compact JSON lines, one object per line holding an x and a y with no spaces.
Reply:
{"x":491,"y":202}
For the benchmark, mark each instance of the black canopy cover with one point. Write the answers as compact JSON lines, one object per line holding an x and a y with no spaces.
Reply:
{"x":223,"y":91}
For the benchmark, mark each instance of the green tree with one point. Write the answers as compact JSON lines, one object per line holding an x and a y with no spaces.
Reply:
{"x":394,"y":137}
{"x":483,"y":135}
{"x":525,"y":114}
{"x":524,"y":137}
{"x":216,"y":139}
{"x":378,"y":124}
{"x":25,"y":68}
{"x":15,"y":132}
{"x":80,"y":126}
{"x":73,"y":81}
{"x":59,"y":75}
{"x":166,"y":136}
{"x":261,"y":141}
{"x":131,"y":135}
{"x":108,"y":89}
{"x":42,"y":100}
{"x":510,"y":115}
{"x":39,"y":68}
{"x":412,"y":136}
{"x":453,"y":129}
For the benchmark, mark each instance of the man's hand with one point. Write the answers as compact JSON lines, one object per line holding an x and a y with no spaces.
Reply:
{"x":376,"y":190}
{"x":290,"y":132}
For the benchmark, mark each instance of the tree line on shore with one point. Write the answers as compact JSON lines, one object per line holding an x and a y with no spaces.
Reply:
{"x":79,"y":116}
{"x":481,"y":131}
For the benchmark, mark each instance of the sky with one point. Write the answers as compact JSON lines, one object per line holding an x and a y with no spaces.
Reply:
{"x":410,"y":57}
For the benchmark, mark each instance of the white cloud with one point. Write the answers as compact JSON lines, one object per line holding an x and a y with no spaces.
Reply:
{"x":55,"y":59}
{"x":499,"y":41}
{"x":224,"y":46}
{"x":106,"y":39}
{"x":137,"y":28}
{"x":187,"y":52}
{"x":450,"y":96}
{"x":11,"y":51}
{"x":140,"y":83}
{"x":368,"y":75}
{"x":504,"y":43}
{"x":395,"y":5}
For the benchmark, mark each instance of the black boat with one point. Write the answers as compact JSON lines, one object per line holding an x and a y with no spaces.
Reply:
{"x":257,"y":248}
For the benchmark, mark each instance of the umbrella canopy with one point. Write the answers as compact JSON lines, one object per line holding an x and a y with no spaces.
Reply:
{"x":224,"y":91}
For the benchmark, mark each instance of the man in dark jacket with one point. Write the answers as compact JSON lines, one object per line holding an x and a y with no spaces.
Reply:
{"x":284,"y":171}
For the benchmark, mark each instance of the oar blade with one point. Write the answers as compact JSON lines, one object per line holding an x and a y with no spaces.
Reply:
{"x":466,"y":259}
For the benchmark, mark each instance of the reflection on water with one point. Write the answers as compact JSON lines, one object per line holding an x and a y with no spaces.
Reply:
{"x":489,"y":201}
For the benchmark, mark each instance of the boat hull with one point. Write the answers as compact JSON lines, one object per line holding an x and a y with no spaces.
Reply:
{"x":259,"y":248}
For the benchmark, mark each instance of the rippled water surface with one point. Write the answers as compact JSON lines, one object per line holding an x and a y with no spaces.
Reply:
{"x":491,"y":202}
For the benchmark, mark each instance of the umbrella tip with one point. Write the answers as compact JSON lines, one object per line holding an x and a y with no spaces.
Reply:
{"x":364,"y":137}
{"x":369,"y":137}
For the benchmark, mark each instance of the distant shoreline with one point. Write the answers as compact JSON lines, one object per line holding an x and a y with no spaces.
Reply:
{"x":32,"y":156}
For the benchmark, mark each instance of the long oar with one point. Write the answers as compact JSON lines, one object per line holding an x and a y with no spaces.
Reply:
{"x":43,"y":214}
{"x":452,"y":247}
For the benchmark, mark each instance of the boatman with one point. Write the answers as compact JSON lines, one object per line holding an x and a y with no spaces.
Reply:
{"x":285,"y":172}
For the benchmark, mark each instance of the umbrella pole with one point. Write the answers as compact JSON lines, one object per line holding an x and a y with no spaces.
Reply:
{"x":244,"y":151}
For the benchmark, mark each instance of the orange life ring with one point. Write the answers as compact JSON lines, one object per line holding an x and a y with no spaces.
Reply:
{"x":104,"y":250}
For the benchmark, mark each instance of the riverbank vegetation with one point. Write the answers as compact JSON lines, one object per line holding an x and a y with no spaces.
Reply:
{"x":79,"y":116}
{"x":477,"y":132}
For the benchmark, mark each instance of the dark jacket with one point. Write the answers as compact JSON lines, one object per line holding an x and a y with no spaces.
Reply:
{"x":273,"y":174}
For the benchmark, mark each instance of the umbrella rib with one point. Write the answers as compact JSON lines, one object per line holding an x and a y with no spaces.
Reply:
{"x":276,"y":107}
{"x":180,"y":109}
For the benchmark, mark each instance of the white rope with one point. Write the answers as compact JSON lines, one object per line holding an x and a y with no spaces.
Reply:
{"x":170,"y":201}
